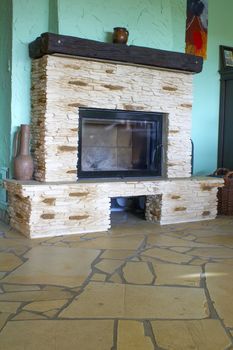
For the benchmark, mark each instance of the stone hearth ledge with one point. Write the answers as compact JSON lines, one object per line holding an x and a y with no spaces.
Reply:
{"x":39,"y":209}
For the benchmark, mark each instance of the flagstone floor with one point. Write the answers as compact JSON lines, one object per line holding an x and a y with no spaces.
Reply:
{"x":139,"y":286}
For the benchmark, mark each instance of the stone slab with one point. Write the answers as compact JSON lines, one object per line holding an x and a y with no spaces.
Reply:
{"x":219,"y":279}
{"x":173,"y":274}
{"x":137,"y":302}
{"x":131,"y":336}
{"x":166,"y":255}
{"x":54,"y":265}
{"x":137,"y":273}
{"x":187,"y":335}
{"x":9,"y":262}
{"x":51,"y":335}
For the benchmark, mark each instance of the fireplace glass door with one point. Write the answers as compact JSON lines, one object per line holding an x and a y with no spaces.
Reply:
{"x":115,"y":143}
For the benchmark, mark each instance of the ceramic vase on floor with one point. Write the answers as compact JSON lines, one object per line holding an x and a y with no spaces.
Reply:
{"x":23,"y":162}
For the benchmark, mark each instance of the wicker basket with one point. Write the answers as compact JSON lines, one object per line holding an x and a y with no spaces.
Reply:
{"x":225,"y":196}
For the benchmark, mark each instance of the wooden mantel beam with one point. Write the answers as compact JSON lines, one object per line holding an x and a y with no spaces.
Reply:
{"x":49,"y":43}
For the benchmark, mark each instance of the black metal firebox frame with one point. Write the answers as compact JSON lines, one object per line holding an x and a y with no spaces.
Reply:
{"x":107,"y":114}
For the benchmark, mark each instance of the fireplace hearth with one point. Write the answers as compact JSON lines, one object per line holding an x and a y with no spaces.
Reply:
{"x":116,"y":143}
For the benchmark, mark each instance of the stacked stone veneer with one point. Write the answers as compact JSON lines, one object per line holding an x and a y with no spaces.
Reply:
{"x":56,"y":203}
{"x":61,"y":85}
{"x":40,"y":210}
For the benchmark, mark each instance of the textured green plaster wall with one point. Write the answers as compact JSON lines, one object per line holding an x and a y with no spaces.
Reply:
{"x":207,"y":88}
{"x":152,"y":23}
{"x":30,"y":19}
{"x":5,"y":88}
{"x":157,"y":23}
{"x":5,"y":81}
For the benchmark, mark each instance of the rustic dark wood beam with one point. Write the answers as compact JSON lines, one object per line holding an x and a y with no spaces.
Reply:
{"x":48,"y":44}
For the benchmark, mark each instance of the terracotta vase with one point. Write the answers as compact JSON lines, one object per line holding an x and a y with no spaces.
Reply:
{"x":120,"y":35}
{"x":23,"y":162}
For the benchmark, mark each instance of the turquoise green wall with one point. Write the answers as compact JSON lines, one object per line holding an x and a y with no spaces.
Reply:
{"x":5,"y":80}
{"x":207,"y":88}
{"x":152,"y":23}
{"x":30,"y":19}
{"x":5,"y":90}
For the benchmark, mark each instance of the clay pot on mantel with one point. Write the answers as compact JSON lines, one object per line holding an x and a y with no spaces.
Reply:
{"x":120,"y":35}
{"x":23,"y":162}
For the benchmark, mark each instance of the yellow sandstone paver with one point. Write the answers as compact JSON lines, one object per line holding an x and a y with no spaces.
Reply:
{"x":137,"y":273}
{"x":54,"y":265}
{"x":131,"y":336}
{"x":108,"y":300}
{"x":187,"y":335}
{"x":57,"y":335}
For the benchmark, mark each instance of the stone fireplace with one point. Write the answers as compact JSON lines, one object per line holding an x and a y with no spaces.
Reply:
{"x":62,"y":85}
{"x":63,"y":90}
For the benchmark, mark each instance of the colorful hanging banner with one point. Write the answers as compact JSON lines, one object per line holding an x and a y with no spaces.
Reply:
{"x":197,"y":27}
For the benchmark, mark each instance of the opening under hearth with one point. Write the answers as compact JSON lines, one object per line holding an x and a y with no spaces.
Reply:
{"x":117,"y":143}
{"x":125,"y":208}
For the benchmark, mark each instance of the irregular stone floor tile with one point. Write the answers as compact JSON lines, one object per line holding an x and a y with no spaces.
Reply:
{"x":169,"y":241}
{"x":25,"y":315}
{"x":35,"y":295}
{"x":122,"y":243}
{"x":224,"y":261}
{"x":109,"y":266}
{"x":189,"y":335}
{"x":219,"y":279}
{"x":8,"y":262}
{"x":166,"y":255}
{"x":98,"y":277}
{"x":117,"y":254}
{"x":173,"y":274}
{"x":91,"y":235}
{"x":131,"y":225}
{"x":107,"y":300}
{"x":116,"y":278}
{"x":19,"y":288}
{"x":138,"y":273}
{"x":51,"y":314}
{"x":198,"y":261}
{"x":18,"y":246}
{"x":180,"y":249}
{"x":217,"y":239}
{"x":3,"y":318}
{"x":43,"y":306}
{"x":9,"y":307}
{"x":54,"y":265}
{"x":98,"y":300}
{"x":57,"y":335}
{"x":61,"y":245}
{"x":131,"y":336}
{"x":220,"y":252}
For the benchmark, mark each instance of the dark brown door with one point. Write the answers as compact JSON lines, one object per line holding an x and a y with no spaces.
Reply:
{"x":225,"y":150}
